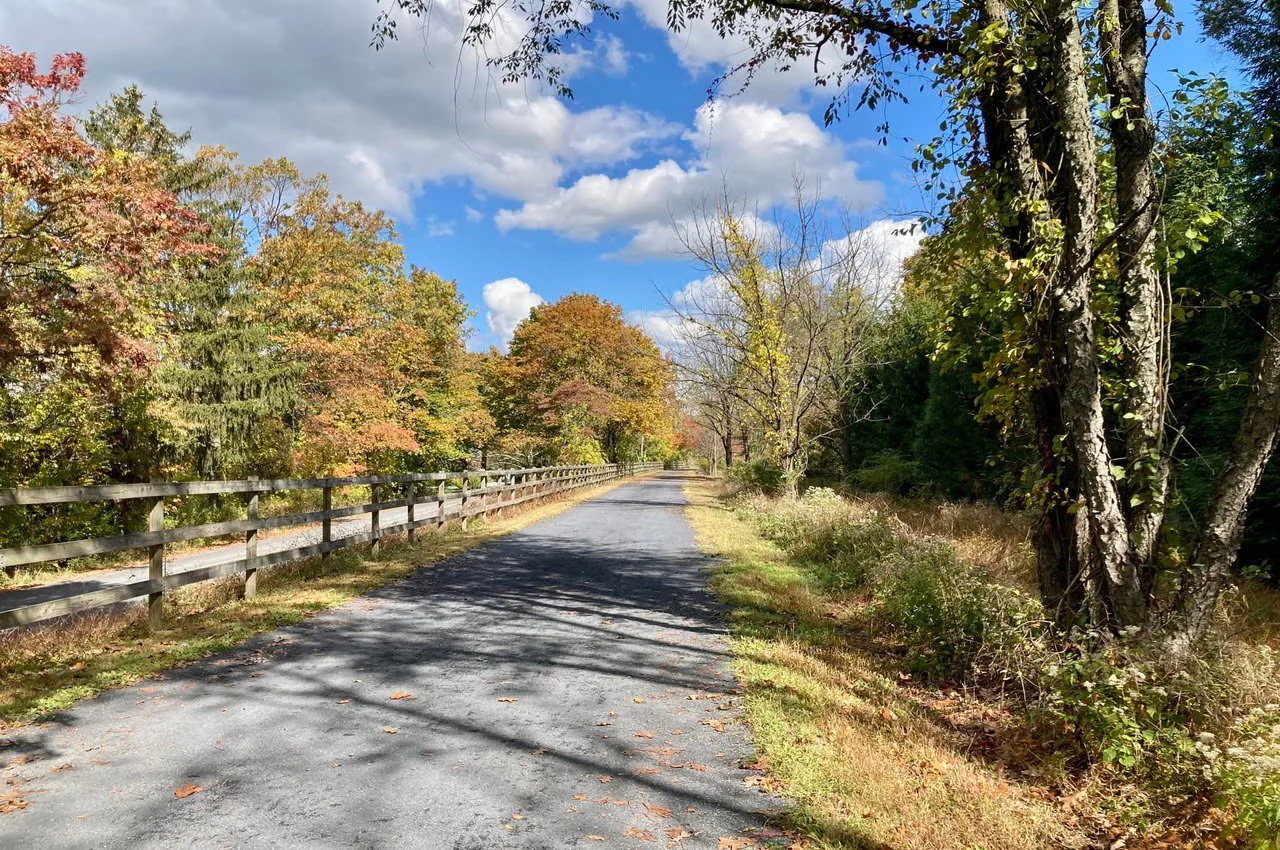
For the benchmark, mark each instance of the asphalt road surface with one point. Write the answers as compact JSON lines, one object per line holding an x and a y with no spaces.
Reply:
{"x":569,"y":684}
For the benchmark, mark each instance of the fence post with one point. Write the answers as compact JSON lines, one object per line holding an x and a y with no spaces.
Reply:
{"x":155,"y":571}
{"x":410,"y":494}
{"x":326,"y":524}
{"x":251,"y":549}
{"x":374,"y":546}
{"x":440,"y":503}
{"x":466,"y":497}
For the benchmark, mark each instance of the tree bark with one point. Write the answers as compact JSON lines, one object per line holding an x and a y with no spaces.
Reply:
{"x":1123,"y":36}
{"x":1219,"y":543}
{"x":1071,"y":283}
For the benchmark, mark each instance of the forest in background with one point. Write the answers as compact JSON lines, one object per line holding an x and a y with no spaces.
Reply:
{"x":173,"y":314}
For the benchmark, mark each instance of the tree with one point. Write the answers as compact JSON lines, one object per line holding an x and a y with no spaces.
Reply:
{"x":772,"y":338}
{"x":584,"y":384}
{"x":223,"y":385}
{"x":1074,"y":217}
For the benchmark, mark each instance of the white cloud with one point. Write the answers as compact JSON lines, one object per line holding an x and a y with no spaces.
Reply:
{"x":875,"y":253}
{"x":437,"y":227}
{"x":298,"y":78}
{"x":508,"y":302}
{"x":748,"y":150}
{"x":662,"y":326}
{"x":704,"y":53}
{"x":473,"y":215}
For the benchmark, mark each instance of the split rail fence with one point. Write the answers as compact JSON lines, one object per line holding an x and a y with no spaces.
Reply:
{"x":430,"y":499}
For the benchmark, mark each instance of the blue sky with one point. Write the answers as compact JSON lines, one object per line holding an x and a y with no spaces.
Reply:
{"x":500,"y":186}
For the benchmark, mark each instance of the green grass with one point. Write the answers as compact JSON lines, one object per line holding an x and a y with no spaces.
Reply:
{"x":870,"y":760}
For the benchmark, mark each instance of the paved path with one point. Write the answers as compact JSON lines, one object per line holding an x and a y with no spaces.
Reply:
{"x":268,"y":542}
{"x":541,"y":663}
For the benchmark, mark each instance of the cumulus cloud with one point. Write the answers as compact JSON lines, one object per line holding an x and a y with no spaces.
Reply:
{"x":298,"y":78}
{"x":507,"y":303}
{"x":876,"y":253}
{"x":747,"y":149}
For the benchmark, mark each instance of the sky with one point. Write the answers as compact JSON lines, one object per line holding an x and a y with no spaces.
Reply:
{"x":519,"y":196}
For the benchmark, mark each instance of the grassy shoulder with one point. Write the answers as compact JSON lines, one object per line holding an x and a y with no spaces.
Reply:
{"x":46,"y":669}
{"x":870,"y":759}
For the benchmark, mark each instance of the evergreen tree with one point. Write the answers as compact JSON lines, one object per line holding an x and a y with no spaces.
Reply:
{"x":222,"y":384}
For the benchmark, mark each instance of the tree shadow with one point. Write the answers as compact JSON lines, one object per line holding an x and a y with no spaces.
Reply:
{"x":580,"y":660}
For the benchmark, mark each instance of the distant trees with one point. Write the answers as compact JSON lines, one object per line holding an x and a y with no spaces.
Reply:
{"x":581,"y":385}
{"x":178,"y":314}
{"x":771,"y":340}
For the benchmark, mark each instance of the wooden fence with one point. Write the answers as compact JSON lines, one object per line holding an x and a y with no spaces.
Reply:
{"x":430,"y":499}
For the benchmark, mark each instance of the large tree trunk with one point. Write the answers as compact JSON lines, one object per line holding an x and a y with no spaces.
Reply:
{"x":1106,"y":544}
{"x":1219,"y":544}
{"x":1123,"y":35}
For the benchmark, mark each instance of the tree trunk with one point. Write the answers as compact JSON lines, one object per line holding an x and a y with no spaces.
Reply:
{"x":1219,"y":543}
{"x":1070,"y":283}
{"x":1123,"y":37}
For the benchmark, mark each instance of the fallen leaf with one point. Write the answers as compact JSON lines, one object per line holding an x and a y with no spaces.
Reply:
{"x":637,"y":699}
{"x":646,"y":771}
{"x":507,"y":699}
{"x":403,"y":695}
{"x":541,"y":751}
{"x":62,"y":767}
{"x":604,"y":724}
{"x":606,"y":778}
{"x":595,"y":838}
{"x":676,"y":834}
{"x":641,"y":834}
{"x":98,"y":762}
{"x":660,"y":811}
{"x":517,"y":816}
{"x":12,"y":806}
{"x":886,"y":714}
{"x":186,"y":791}
{"x":78,"y":666}
{"x":340,"y":702}
{"x":390,"y":730}
{"x":644,"y":734}
{"x":580,"y":797}
{"x":717,"y":725}
{"x":735,"y":843}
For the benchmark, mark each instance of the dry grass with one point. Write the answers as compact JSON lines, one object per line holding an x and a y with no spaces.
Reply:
{"x":982,"y":534}
{"x":46,"y":669}
{"x":869,"y":759}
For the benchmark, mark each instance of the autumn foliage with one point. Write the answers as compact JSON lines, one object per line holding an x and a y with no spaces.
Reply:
{"x":174,"y":314}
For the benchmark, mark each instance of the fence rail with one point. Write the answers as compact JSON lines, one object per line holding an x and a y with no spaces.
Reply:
{"x":451,"y":496}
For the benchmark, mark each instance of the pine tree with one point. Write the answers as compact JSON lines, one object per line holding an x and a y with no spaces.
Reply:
{"x":222,"y":383}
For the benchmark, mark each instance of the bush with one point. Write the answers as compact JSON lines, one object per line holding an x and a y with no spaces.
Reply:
{"x":820,"y":531}
{"x":955,"y":622}
{"x":1246,"y":773}
{"x":759,"y":476}
{"x":887,"y":472}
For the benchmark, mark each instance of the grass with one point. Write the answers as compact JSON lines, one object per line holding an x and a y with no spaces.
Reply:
{"x":870,"y":760}
{"x":47,"y":669}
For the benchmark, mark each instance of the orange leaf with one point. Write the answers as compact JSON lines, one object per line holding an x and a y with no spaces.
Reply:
{"x":403,"y":695}
{"x":340,"y":702}
{"x":641,"y":834}
{"x":186,"y":791}
{"x":660,"y":811}
{"x":390,"y":730}
{"x":595,"y":838}
{"x":676,"y":834}
{"x":507,"y":699}
{"x":644,"y":734}
{"x":580,"y":796}
{"x":735,"y":843}
{"x":606,"y":778}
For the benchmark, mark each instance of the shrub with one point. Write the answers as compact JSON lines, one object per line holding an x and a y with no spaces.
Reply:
{"x":1246,"y":773}
{"x":760,"y":476}
{"x":888,"y":472}
{"x":955,"y":622}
